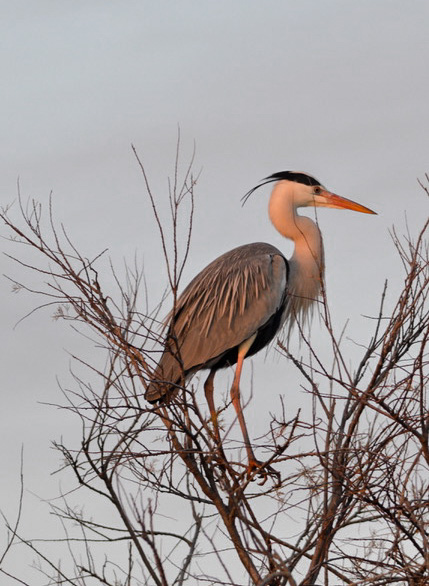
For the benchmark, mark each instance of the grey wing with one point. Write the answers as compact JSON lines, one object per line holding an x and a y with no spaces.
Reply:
{"x":224,"y":305}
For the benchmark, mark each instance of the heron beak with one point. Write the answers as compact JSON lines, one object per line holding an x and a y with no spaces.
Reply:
{"x":326,"y":199}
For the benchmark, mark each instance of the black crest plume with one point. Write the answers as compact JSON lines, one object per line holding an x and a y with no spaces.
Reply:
{"x":295,"y":176}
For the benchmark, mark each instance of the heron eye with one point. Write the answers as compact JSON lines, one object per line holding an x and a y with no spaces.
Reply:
{"x":317,"y":190}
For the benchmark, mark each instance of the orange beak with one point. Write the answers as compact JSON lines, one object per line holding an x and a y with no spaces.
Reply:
{"x":326,"y":199}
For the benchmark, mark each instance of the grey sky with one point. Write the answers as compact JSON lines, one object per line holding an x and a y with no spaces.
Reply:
{"x":336,"y":88}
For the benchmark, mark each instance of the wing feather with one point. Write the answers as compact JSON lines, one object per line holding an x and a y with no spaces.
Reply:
{"x":221,"y":307}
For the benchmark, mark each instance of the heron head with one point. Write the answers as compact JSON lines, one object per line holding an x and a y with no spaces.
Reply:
{"x":303,"y":190}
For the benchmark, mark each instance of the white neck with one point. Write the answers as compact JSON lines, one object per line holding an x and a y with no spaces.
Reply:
{"x":307,"y":262}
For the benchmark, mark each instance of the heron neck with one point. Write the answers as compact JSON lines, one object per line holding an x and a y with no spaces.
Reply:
{"x":307,"y":262}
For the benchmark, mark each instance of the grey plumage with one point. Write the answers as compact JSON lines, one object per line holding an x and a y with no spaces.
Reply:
{"x":231,"y":299}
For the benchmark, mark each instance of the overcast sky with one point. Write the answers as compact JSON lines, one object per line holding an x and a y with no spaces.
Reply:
{"x":337,"y":88}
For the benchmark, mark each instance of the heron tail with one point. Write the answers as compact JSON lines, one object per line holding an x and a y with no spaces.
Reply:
{"x":154,"y":393}
{"x":161,"y":392}
{"x":166,"y":380}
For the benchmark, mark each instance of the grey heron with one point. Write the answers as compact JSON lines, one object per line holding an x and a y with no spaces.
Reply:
{"x":239,"y":302}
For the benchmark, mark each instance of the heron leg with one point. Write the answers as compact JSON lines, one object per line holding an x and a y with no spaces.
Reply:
{"x":235,"y":398}
{"x":208,"y":390}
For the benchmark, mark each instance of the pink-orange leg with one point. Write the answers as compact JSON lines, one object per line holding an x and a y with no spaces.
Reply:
{"x":235,"y":398}
{"x":208,"y":390}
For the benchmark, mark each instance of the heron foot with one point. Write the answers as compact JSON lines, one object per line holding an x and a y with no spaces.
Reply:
{"x":262,"y":470}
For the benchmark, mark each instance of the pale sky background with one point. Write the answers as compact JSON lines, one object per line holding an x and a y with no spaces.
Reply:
{"x":337,"y":88}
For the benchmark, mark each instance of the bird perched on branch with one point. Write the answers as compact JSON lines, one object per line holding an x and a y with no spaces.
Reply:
{"x":239,"y":302}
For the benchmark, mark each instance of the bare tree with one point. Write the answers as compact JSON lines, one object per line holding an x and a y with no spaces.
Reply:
{"x":352,"y":504}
